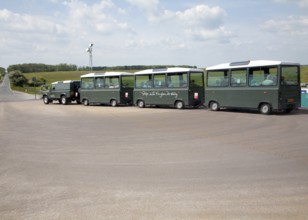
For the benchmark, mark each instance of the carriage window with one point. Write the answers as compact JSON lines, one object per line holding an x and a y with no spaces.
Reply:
{"x":177,"y":80}
{"x":87,"y":83}
{"x":196,"y":80}
{"x":265,"y":76}
{"x":218,"y":78}
{"x":99,"y":83}
{"x":238,"y":77}
{"x":128,"y":81}
{"x":112,"y":82}
{"x":289,"y":75}
{"x":143,"y":82}
{"x":159,"y":80}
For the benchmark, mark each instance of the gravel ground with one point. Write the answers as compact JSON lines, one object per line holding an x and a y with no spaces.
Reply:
{"x":98,"y":162}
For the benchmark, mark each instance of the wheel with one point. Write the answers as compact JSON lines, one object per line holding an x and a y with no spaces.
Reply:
{"x":141,"y":104}
{"x":214,"y":106}
{"x":63,"y":100}
{"x":86,"y":102}
{"x":179,"y":105}
{"x":113,"y":103}
{"x":265,"y":109}
{"x":45,"y":99}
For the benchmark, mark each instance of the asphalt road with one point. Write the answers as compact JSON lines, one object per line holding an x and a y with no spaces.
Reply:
{"x":99,"y":162}
{"x":6,"y":94}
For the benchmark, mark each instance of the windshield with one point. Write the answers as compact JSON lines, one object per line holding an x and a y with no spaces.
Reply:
{"x":289,"y":75}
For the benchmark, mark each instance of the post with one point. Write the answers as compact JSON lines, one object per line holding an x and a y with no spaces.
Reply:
{"x":34,"y":83}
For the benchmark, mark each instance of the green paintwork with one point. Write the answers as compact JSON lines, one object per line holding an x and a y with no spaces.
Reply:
{"x":281,"y":95}
{"x":166,"y":88}
{"x":68,"y":89}
{"x":119,"y":90}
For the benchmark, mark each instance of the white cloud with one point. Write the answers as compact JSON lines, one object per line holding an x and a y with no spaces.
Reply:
{"x":11,"y":21}
{"x":205,"y":23}
{"x":291,"y":26}
{"x":202,"y":16}
{"x":84,"y":17}
{"x":173,"y":44}
{"x":200,"y":22}
{"x":37,"y":38}
{"x":219,"y":34}
{"x":147,"y":5}
{"x":301,"y":3}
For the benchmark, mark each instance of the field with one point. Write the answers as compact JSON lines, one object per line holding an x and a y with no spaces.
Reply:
{"x":57,"y":76}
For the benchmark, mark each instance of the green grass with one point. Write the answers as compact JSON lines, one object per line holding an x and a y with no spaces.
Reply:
{"x":57,"y":76}
{"x":304,"y":74}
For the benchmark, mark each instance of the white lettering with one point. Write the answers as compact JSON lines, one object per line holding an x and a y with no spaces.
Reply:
{"x":160,"y":94}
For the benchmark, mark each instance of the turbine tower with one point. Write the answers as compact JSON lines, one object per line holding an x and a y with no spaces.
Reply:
{"x":89,"y":50}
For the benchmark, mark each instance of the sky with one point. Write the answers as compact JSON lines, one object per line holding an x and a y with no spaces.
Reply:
{"x":200,"y":33}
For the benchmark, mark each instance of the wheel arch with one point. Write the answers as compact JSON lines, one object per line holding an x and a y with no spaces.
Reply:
{"x":113,"y":99}
{"x":265,"y":102}
{"x":139,"y":99}
{"x":262,"y":104}
{"x":208,"y":104}
{"x":179,"y":100}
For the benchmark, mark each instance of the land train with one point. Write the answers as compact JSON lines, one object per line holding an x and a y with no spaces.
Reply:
{"x":261,"y":85}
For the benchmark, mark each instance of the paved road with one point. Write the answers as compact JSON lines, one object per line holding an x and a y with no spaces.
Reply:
{"x":7,"y":95}
{"x":77,"y":162}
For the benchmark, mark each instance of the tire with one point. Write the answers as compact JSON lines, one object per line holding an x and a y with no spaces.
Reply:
{"x":179,"y":105}
{"x":63,"y":100}
{"x":86,"y":102}
{"x":141,"y":104}
{"x":265,"y":109}
{"x":214,"y":106}
{"x":113,"y":103}
{"x":45,"y":99}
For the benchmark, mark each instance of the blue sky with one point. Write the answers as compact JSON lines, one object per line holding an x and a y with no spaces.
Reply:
{"x":152,"y":32}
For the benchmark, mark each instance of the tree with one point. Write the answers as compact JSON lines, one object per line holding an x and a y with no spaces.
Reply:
{"x":39,"y":82}
{"x":2,"y":72}
{"x":18,"y":79}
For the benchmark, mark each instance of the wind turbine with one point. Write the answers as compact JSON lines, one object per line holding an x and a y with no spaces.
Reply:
{"x":89,"y":50}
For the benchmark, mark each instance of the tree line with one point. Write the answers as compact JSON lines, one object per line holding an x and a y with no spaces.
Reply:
{"x":132,"y":67}
{"x":39,"y":67}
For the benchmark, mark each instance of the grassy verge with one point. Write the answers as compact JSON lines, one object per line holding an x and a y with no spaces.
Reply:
{"x":30,"y":90}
